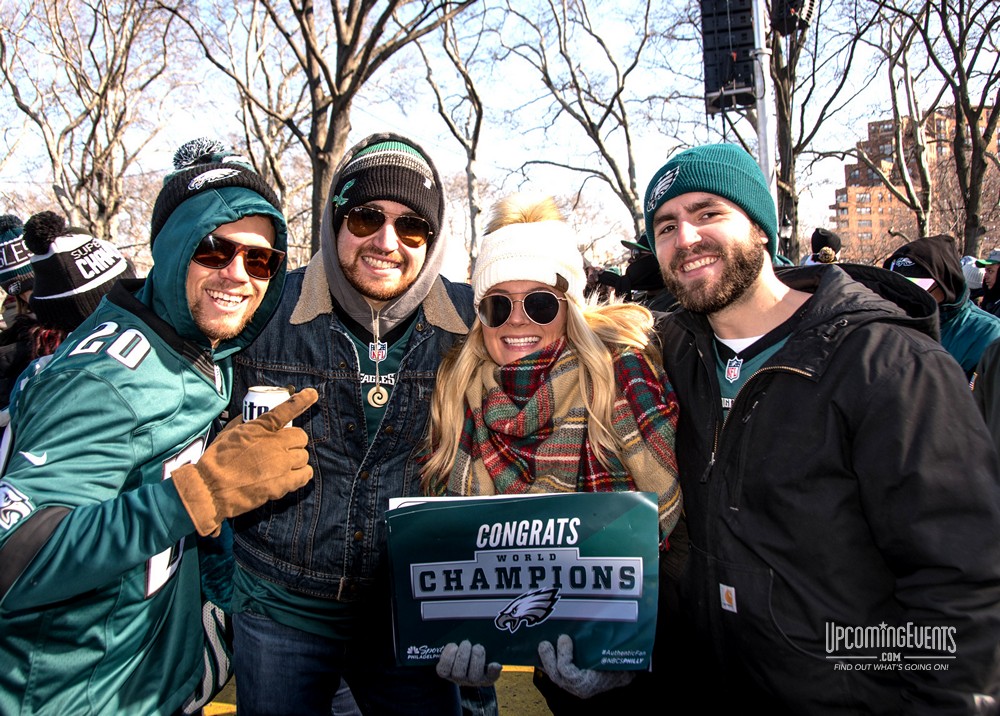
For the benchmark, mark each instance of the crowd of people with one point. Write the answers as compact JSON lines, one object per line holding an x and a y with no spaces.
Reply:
{"x":819,"y":462}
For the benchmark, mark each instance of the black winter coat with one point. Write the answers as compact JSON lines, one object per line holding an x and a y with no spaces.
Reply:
{"x":853,"y":484}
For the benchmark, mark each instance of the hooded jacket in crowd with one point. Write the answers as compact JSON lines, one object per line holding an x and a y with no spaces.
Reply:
{"x":128,"y":396}
{"x":316,"y":560}
{"x":966,"y":329}
{"x":853,"y":484}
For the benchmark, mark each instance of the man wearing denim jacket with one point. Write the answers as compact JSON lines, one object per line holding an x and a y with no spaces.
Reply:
{"x":366,"y":323}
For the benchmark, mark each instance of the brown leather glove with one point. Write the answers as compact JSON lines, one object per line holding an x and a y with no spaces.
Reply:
{"x":246,"y":466}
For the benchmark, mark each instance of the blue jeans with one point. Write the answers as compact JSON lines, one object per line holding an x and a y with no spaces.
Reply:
{"x":281,"y":670}
{"x":344,"y":703}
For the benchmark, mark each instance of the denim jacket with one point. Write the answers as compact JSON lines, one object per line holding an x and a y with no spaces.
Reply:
{"x":328,"y":539}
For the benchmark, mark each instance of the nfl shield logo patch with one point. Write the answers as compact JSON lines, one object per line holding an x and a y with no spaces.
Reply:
{"x":377,"y":351}
{"x":733,"y":366}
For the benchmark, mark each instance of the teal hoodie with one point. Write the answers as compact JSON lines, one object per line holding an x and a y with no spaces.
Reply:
{"x":101,"y":601}
{"x":165,"y":288}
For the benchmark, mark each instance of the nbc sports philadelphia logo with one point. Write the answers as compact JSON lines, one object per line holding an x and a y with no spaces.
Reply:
{"x":908,"y":647}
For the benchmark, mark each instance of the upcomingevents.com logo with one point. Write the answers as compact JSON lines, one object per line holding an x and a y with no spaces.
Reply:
{"x":908,"y":647}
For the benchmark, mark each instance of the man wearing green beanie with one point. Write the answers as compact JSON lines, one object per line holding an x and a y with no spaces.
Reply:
{"x":840,"y":488}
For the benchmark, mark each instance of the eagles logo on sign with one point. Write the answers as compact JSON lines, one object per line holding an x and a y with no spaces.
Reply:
{"x":527,"y":610}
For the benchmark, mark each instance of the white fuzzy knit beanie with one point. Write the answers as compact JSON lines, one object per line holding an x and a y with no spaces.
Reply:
{"x":540,"y":251}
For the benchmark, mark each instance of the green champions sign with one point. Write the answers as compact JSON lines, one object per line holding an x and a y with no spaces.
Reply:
{"x":510,"y":572}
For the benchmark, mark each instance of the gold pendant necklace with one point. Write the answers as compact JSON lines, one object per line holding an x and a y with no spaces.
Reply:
{"x":377,"y":396}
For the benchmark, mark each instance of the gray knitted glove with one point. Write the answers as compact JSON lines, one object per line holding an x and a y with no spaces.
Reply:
{"x":465,"y":664}
{"x":557,"y":663}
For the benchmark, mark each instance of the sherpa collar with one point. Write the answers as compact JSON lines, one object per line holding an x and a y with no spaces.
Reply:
{"x":315,"y":300}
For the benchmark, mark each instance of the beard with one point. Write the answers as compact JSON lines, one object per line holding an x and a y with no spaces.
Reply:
{"x":217,"y":327}
{"x":375,"y":289}
{"x":742,"y":261}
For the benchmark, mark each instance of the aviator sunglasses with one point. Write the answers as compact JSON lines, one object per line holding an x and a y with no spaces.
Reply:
{"x":216,"y":252}
{"x":364,"y":221}
{"x":541,"y":307}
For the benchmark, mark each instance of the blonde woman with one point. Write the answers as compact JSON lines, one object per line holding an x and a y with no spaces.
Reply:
{"x":510,"y":400}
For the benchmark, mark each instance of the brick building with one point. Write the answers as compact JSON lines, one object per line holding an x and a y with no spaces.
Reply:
{"x":870,"y":220}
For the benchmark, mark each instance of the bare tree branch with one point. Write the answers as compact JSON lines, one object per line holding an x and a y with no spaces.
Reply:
{"x":330,"y":65}
{"x":75,"y":72}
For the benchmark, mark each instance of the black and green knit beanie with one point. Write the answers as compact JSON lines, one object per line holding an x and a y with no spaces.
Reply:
{"x":200,"y":165}
{"x":725,"y":170}
{"x":391,"y":170}
{"x":73,"y":270}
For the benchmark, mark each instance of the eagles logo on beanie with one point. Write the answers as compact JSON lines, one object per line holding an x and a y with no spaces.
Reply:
{"x":931,"y":257}
{"x":725,"y":170}
{"x":16,"y":275}
{"x":201,"y":165}
{"x":73,"y":270}
{"x":393,"y":170}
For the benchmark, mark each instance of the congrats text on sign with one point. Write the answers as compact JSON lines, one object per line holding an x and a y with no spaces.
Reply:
{"x":509,"y":572}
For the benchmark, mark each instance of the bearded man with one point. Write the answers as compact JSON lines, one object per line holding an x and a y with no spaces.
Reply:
{"x":366,"y":323}
{"x":840,"y":488}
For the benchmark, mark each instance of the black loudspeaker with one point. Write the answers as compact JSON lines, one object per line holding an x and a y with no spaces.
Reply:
{"x":728,"y":46}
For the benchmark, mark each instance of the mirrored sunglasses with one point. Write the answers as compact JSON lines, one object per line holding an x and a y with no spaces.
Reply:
{"x":541,"y":307}
{"x":412,"y":230}
{"x":216,"y":252}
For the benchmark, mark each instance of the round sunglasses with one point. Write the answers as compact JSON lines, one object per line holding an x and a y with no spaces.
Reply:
{"x":217,"y":252}
{"x":412,"y":230}
{"x":541,"y":307}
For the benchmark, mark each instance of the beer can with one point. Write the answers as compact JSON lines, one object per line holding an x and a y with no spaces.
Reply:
{"x":261,"y":398}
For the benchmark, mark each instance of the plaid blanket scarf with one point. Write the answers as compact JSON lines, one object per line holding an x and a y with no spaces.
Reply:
{"x":526,"y":431}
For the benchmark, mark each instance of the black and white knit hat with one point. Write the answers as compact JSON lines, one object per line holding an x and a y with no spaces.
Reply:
{"x":73,"y":270}
{"x":393,"y":170}
{"x":15,"y":259}
{"x":200,"y":165}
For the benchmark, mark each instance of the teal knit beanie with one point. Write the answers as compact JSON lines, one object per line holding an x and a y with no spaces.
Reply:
{"x":725,"y":170}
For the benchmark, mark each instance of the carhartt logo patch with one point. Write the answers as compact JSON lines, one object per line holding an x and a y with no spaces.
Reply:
{"x":660,"y":188}
{"x":728,"y":596}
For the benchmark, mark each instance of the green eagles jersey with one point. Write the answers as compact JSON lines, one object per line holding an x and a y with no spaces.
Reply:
{"x":115,"y":627}
{"x":101,"y":608}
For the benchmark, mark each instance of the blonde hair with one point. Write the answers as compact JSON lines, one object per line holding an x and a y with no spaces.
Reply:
{"x":596,"y":333}
{"x":522,"y":209}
